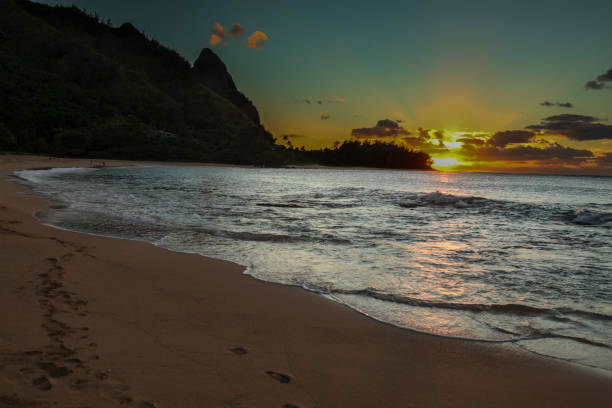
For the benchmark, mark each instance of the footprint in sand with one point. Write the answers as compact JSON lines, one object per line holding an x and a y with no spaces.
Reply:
{"x":239,"y":350}
{"x":79,"y":384}
{"x":282,"y":378}
{"x":42,"y":383}
{"x":124,"y":399}
{"x":54,"y":370}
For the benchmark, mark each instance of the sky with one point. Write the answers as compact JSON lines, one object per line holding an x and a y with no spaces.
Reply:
{"x":479,"y":85}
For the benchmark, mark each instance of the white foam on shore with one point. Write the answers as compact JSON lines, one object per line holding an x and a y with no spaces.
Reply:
{"x":38,"y":176}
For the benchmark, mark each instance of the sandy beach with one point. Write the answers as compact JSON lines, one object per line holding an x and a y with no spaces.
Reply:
{"x":98,"y":322}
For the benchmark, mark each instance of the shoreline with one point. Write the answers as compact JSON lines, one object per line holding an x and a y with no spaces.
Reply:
{"x":221,"y":338}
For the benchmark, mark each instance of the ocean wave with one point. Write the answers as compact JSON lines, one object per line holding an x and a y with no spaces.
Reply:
{"x":438,"y":198}
{"x":585,"y":217}
{"x":280,"y":205}
{"x":308,"y":204}
{"x":511,"y":308}
{"x":268,"y":237}
{"x":547,"y":334}
{"x":42,"y":174}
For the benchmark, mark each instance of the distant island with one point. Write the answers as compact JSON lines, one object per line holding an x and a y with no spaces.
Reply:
{"x":73,"y":85}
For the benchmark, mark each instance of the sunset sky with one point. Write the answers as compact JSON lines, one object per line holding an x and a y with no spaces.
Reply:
{"x":483,"y":85}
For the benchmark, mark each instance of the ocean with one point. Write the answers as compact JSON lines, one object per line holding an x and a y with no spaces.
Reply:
{"x":520,"y":259}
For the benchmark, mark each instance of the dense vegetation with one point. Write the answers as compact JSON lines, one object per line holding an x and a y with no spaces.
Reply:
{"x":377,"y":154}
{"x":72,"y":85}
{"x":364,"y":154}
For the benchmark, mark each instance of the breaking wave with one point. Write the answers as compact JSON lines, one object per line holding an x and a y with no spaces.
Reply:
{"x":586,"y":217}
{"x":438,"y":198}
{"x":512,"y":308}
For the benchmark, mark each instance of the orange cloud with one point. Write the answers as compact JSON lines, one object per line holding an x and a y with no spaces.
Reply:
{"x":256,"y":40}
{"x":217,"y":36}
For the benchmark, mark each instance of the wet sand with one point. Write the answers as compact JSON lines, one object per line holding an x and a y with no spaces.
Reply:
{"x":98,"y":322}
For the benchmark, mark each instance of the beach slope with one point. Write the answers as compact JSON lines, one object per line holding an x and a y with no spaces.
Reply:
{"x":97,"y":322}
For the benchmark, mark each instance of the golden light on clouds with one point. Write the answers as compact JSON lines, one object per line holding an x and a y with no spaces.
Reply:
{"x":445,"y":162}
{"x":257,"y":39}
{"x":217,"y":35}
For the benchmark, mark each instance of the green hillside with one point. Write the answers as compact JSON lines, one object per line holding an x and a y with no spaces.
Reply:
{"x":72,"y":85}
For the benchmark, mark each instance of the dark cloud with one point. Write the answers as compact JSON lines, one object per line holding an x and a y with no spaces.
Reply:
{"x":605,"y":77}
{"x":417,"y":143}
{"x":502,"y":139}
{"x":604,"y":160}
{"x":474,"y":141}
{"x":559,"y":104}
{"x":428,"y":141}
{"x":325,"y":116}
{"x":413,"y":141}
{"x":600,"y":83}
{"x":439,"y":136}
{"x":424,"y":133}
{"x":322,"y":101}
{"x":530,"y":153}
{"x":594,"y":85}
{"x":566,"y":120}
{"x":384,"y":128}
{"x":575,"y":127}
{"x":236,"y":30}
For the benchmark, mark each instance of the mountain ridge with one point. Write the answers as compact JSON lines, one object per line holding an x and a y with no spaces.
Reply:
{"x":71,"y":78}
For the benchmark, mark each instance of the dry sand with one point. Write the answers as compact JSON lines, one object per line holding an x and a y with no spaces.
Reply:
{"x":87,"y":321}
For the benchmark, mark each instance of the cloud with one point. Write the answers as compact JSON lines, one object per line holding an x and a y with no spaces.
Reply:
{"x":325,"y":116}
{"x":217,"y":36}
{"x":256,"y":40}
{"x":383,"y":128}
{"x":236,"y":30}
{"x":575,"y":127}
{"x":605,"y":77}
{"x":594,"y":85}
{"x":473,"y":141}
{"x":600,"y":83}
{"x":502,"y":139}
{"x":218,"y":33}
{"x":604,"y":160}
{"x":529,"y":153}
{"x":327,"y":99}
{"x":428,"y":141}
{"x":559,"y":104}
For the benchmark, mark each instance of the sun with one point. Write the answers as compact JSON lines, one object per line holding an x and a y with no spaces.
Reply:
{"x":444,"y":162}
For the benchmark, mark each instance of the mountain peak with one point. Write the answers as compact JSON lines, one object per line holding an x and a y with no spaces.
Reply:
{"x":211,"y":70}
